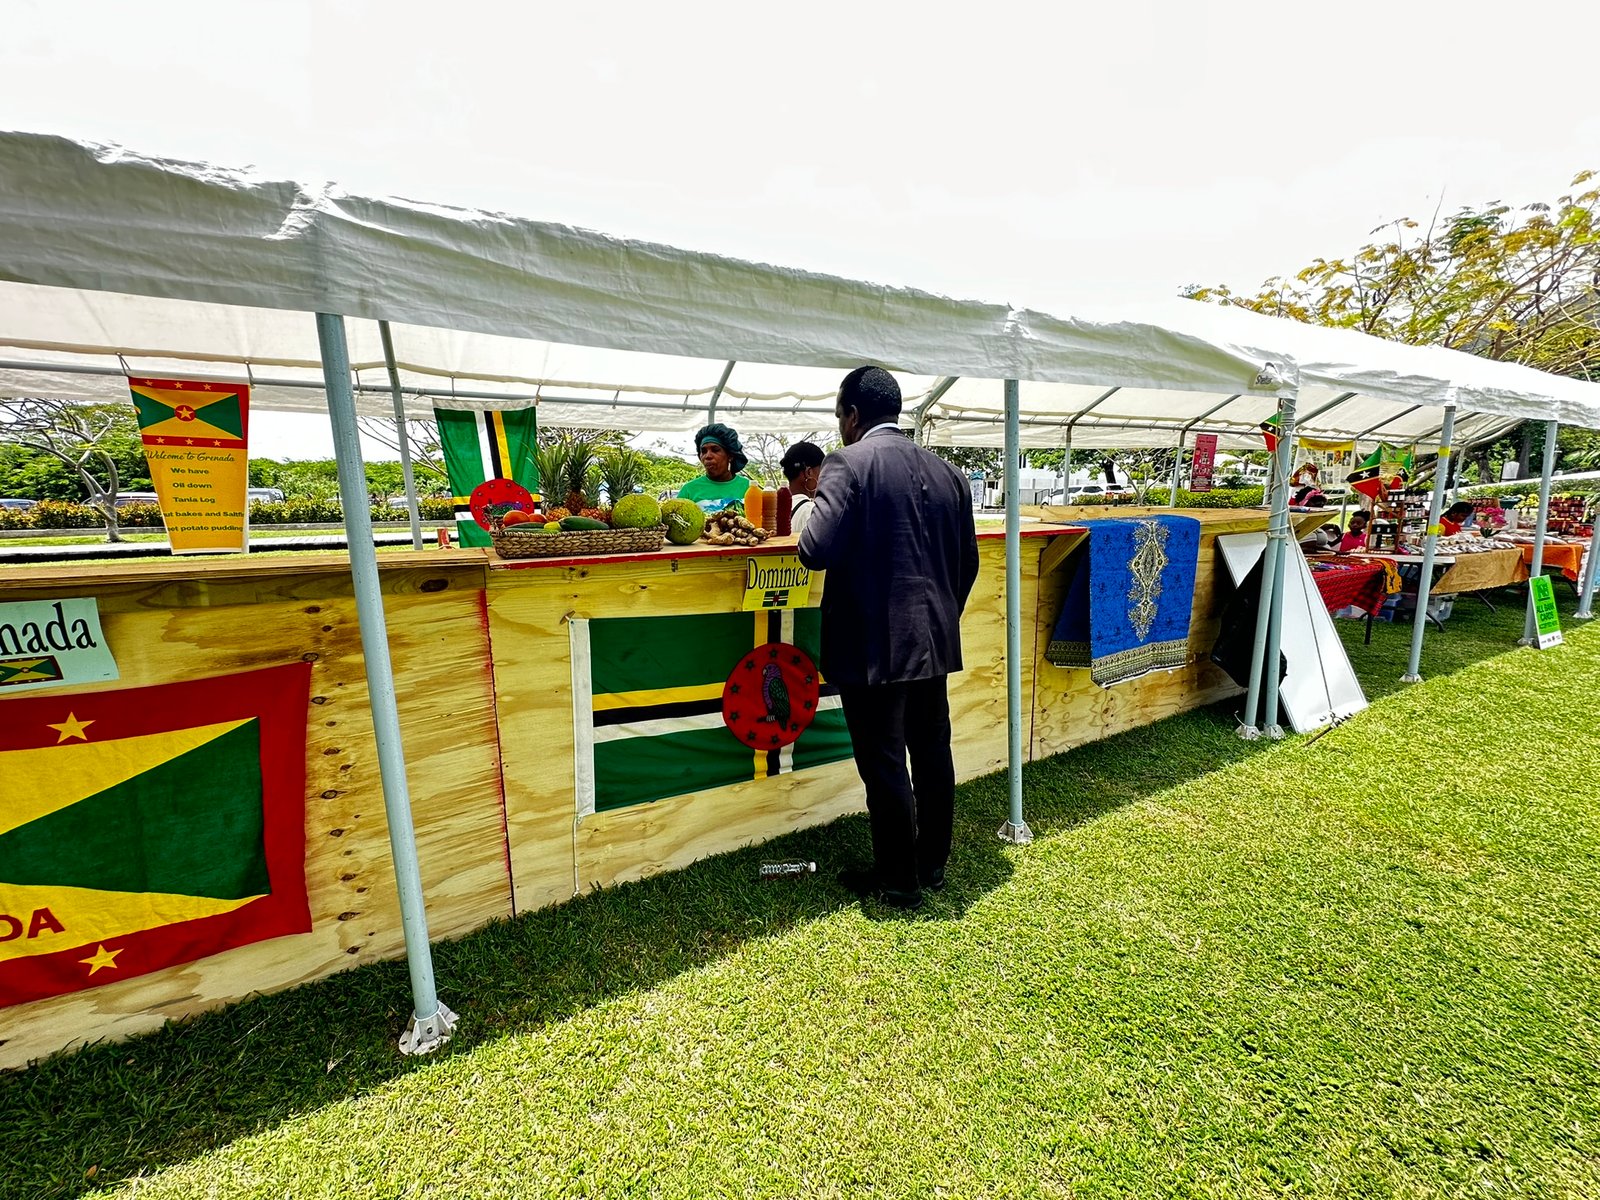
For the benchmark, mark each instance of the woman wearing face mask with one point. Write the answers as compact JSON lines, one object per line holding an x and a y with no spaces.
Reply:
{"x":723,"y":458}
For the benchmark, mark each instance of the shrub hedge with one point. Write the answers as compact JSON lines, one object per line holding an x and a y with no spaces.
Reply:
{"x":59,"y":514}
{"x":1244,"y":497}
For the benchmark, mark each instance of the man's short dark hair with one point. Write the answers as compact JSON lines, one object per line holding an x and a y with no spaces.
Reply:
{"x":798,"y":457}
{"x":873,"y":393}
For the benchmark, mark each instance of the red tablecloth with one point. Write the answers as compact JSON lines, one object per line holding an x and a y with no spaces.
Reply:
{"x":1358,"y":584}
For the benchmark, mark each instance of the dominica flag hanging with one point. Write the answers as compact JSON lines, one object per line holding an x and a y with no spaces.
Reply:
{"x":484,"y":444}
{"x":1384,"y":469}
{"x":145,"y":828}
{"x":195,"y":439}
{"x":665,"y":706}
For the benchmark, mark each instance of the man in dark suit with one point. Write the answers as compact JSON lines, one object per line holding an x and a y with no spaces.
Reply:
{"x":891,"y":524}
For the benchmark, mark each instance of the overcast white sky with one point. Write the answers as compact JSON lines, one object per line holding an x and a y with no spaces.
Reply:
{"x":1022,"y":153}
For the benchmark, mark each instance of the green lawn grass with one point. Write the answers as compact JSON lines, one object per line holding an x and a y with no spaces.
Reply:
{"x":1357,"y":966}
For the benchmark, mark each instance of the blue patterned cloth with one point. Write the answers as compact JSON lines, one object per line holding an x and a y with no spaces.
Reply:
{"x":1129,"y":599}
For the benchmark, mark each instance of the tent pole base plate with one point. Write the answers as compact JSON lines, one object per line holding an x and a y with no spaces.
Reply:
{"x":1018,"y":834}
{"x":426,"y":1036}
{"x":1248,"y":733}
{"x":1275,"y":732}
{"x":1411,"y":679}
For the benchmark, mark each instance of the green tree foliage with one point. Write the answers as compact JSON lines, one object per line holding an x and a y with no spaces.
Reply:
{"x":61,"y":450}
{"x":1516,"y":284}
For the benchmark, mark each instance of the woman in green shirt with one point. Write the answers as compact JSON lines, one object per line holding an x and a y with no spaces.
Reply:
{"x":723,"y":458}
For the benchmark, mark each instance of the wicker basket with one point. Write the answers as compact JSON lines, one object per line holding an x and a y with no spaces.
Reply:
{"x":525,"y":543}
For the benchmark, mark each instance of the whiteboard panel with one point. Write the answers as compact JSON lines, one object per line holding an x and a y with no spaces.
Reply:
{"x":1320,"y":686}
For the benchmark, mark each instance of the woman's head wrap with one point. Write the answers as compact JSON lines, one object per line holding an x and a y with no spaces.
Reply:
{"x":724,"y":436}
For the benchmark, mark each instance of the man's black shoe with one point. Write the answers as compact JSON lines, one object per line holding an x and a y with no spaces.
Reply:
{"x":934,"y":883}
{"x":906,"y":901}
{"x":863,"y":881}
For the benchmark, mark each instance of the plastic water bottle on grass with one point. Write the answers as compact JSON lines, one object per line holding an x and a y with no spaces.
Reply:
{"x":780,"y":870}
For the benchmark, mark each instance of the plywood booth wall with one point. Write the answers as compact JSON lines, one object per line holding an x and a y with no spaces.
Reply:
{"x":483,"y":668}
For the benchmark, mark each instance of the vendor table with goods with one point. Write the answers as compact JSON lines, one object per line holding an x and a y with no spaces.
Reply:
{"x":1352,"y":583}
{"x":1565,"y":556}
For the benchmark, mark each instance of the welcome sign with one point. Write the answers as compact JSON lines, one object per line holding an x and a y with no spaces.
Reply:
{"x":195,"y":437}
{"x":46,"y":643}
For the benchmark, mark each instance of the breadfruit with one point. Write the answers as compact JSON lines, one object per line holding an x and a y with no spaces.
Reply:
{"x":684,"y":521}
{"x":636,"y":512}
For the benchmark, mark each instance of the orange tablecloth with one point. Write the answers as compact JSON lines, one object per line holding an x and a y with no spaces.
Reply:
{"x":1568,"y":558}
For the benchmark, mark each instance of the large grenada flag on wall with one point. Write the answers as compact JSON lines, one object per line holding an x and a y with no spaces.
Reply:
{"x":144,"y":828}
{"x":664,"y":706}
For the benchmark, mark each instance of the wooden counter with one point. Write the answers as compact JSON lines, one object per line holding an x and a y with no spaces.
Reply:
{"x":482,"y":669}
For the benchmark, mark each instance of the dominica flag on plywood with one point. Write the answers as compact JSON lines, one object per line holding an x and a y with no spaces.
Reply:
{"x":149,"y":827}
{"x":195,"y":435}
{"x":665,"y":706}
{"x":484,"y":444}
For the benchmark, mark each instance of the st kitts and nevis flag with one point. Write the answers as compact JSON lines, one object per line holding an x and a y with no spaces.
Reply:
{"x":195,"y":438}
{"x":484,"y":444}
{"x":665,"y":706}
{"x":145,"y":828}
{"x":1384,"y":469}
{"x":1269,"y":432}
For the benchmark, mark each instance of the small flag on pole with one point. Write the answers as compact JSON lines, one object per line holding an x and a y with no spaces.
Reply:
{"x":1269,"y":431}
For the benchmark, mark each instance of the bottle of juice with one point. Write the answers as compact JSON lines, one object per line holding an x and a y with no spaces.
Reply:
{"x":752,"y":504}
{"x":785,"y":504}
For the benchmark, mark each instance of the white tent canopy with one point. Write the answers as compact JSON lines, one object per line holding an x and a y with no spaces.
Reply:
{"x":113,"y":263}
{"x":121,"y":264}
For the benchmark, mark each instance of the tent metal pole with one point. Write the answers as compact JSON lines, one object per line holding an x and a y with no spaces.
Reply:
{"x":1183,"y":436}
{"x":1328,"y":407}
{"x":716,"y":392}
{"x":1419,"y":623}
{"x":1014,"y":830}
{"x":1249,"y":729}
{"x":1277,"y":546}
{"x":400,"y":436}
{"x":1066,"y":462}
{"x":940,"y":387}
{"x":1591,"y":563}
{"x":1529,"y":624}
{"x":1386,"y":421}
{"x":431,"y":1022}
{"x":1177,"y":469}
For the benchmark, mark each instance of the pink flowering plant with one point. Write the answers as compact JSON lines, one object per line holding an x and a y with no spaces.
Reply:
{"x":1490,"y":518}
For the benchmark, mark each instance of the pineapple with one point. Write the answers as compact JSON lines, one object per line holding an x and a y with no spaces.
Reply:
{"x":579,"y":466}
{"x":621,"y":470}
{"x":551,"y":464}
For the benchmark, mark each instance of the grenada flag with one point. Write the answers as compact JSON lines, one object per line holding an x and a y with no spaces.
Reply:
{"x":144,"y":828}
{"x":195,"y":438}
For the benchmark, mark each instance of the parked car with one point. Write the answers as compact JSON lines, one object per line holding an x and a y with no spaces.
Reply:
{"x":16,"y":502}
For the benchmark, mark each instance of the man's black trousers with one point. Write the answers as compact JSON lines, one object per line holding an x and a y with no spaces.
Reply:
{"x":911,"y":812}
